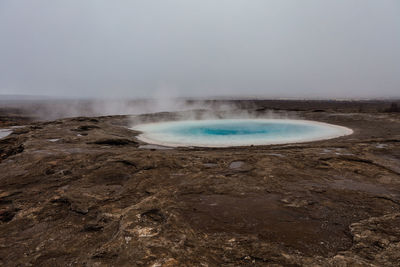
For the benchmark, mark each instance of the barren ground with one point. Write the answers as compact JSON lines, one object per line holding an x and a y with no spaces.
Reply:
{"x":84,"y":191}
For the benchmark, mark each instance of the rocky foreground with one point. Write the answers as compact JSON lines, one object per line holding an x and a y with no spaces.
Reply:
{"x":84,"y":191}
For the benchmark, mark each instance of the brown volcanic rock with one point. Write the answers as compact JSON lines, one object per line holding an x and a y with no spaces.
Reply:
{"x":84,"y":191}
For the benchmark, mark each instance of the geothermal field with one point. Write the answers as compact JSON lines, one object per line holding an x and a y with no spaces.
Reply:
{"x":183,"y":133}
{"x":215,"y":183}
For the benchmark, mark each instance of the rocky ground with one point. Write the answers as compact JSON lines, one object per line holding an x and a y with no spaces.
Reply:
{"x":84,"y":191}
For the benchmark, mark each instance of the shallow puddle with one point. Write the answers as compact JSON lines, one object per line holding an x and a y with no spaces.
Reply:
{"x":210,"y":165}
{"x":5,"y":132}
{"x":236,"y":164}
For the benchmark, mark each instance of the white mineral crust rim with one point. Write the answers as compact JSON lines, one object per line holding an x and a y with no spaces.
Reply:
{"x":148,"y":135}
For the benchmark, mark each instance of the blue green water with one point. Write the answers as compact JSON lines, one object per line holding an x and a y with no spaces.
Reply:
{"x":237,"y":132}
{"x":242,"y":128}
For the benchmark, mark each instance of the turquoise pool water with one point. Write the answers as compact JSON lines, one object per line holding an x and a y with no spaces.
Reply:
{"x":237,"y":132}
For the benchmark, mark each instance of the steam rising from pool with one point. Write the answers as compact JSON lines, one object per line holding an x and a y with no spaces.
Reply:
{"x":237,"y":132}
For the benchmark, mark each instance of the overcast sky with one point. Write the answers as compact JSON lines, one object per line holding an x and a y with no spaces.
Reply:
{"x":266,"y":48}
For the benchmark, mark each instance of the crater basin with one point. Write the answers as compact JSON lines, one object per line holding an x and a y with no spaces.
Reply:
{"x":237,"y":132}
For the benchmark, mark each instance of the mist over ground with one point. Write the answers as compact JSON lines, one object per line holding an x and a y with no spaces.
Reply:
{"x":175,"y":48}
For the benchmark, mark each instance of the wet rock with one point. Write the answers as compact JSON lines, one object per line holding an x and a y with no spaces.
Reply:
{"x":152,"y":216}
{"x":154,"y":147}
{"x":75,"y":202}
{"x":77,"y":206}
{"x":127,"y":162}
{"x":65,"y":172}
{"x":92,"y":227}
{"x":7,"y":214}
{"x":210,"y":165}
{"x":10,"y":147}
{"x":114,"y":142}
{"x":50,"y":171}
{"x":19,"y":131}
{"x":104,"y":255}
{"x":83,"y":128}
{"x":80,"y":208}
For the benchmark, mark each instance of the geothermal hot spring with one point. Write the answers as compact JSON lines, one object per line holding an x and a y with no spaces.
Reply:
{"x":237,"y":132}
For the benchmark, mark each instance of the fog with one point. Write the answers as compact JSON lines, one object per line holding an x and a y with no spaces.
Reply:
{"x":183,"y":48}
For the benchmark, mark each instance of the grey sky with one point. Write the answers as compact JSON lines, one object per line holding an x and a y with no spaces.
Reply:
{"x":267,"y":48}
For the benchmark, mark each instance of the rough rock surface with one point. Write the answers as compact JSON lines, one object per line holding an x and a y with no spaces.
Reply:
{"x":85,"y":191}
